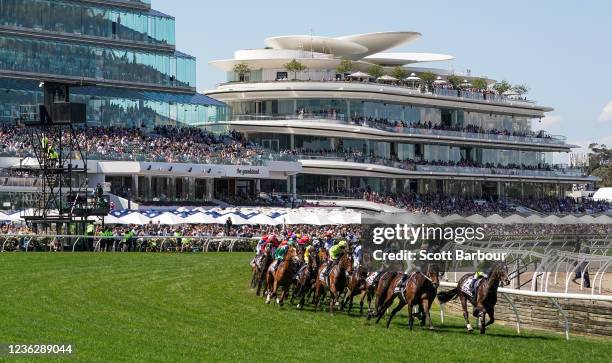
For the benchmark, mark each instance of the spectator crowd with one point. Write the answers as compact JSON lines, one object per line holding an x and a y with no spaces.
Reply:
{"x":164,"y":143}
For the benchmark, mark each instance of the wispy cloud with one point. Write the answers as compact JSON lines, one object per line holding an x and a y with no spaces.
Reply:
{"x":606,"y":113}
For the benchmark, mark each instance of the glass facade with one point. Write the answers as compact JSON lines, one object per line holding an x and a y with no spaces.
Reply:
{"x":57,"y":42}
{"x":90,"y":20}
{"x":96,"y":63}
{"x":402,"y":151}
{"x":410,"y":114}
{"x":119,"y":107}
{"x":328,"y":184}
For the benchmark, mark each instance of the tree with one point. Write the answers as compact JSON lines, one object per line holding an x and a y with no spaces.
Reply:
{"x":399,"y":72}
{"x":428,"y":78}
{"x":376,"y":71}
{"x":600,"y":164}
{"x":479,"y":84}
{"x":345,"y":66}
{"x":294,"y":67}
{"x":520,"y":89}
{"x":454,"y":81}
{"x":502,"y":87}
{"x":241,"y":69}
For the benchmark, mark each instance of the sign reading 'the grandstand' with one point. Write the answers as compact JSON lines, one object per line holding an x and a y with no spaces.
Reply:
{"x":247,"y":171}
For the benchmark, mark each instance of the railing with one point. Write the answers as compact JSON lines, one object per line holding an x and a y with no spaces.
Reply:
{"x":498,"y":171}
{"x":259,"y":159}
{"x":507,"y":294}
{"x":439,"y":168}
{"x":19,"y":181}
{"x":437,"y":91}
{"x":68,"y":243}
{"x":342,"y":119}
{"x":358,"y":159}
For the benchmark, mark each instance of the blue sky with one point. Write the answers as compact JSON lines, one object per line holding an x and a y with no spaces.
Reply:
{"x":561,"y":49}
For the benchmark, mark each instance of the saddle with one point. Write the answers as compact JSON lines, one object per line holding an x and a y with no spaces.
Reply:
{"x":401,"y":287}
{"x":371,"y":277}
{"x":470,"y":286}
{"x":299,"y":271}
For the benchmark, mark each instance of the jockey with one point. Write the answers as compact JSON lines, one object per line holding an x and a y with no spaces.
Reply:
{"x":329,"y":240}
{"x":479,"y":274}
{"x":357,"y":256}
{"x":260,"y":244}
{"x":334,"y":255}
{"x":272,"y":242}
{"x":281,"y":251}
{"x":307,"y":252}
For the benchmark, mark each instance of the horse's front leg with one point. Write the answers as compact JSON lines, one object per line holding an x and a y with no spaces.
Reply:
{"x":426,"y":306}
{"x":491,"y":313}
{"x":332,"y":301}
{"x":481,"y":321}
{"x":410,"y":305}
{"x":281,"y":302}
{"x":466,"y":316}
{"x":361,"y":298}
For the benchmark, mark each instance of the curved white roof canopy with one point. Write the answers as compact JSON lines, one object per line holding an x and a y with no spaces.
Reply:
{"x":328,"y":45}
{"x":403,"y":58}
{"x":381,"y":41}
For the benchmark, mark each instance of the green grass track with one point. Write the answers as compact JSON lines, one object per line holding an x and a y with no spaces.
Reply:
{"x":198,"y":308}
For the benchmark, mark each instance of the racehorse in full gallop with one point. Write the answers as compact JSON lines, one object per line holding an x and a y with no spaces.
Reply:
{"x":356,"y":285}
{"x":484,"y":299}
{"x":282,"y":276}
{"x":417,"y":288}
{"x":259,"y":267}
{"x":305,"y":279}
{"x":338,"y":280}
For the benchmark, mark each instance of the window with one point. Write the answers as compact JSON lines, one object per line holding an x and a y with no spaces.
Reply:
{"x":281,"y":76}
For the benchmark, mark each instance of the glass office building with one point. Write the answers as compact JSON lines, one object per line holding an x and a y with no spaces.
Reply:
{"x":123,"y":51}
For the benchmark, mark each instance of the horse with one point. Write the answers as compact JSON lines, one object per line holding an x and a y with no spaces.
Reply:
{"x":338,"y":280}
{"x":378,"y":291}
{"x":417,"y":290}
{"x":305,"y":279}
{"x":282,"y":277}
{"x":356,"y":285}
{"x":485,"y":299}
{"x":260,"y":266}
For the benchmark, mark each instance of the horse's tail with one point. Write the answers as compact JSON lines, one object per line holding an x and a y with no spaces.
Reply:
{"x":446,"y":296}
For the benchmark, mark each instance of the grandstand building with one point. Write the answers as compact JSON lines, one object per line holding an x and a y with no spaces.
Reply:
{"x":350,"y":129}
{"x":124,"y":53}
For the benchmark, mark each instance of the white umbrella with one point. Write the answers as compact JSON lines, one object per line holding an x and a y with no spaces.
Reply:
{"x":293,"y":218}
{"x":3,"y":216}
{"x":200,"y":218}
{"x":111,"y":219}
{"x":602,"y":219}
{"x":344,"y":217}
{"x":553,"y":219}
{"x":264,"y":220}
{"x":236,"y":219}
{"x":134,"y":218}
{"x":439,"y":80}
{"x":475,"y":218}
{"x":412,"y":78}
{"x":495,"y":219}
{"x":168,"y":218}
{"x":387,"y":78}
{"x":465,"y":83}
{"x":515,"y":219}
{"x":359,"y":75}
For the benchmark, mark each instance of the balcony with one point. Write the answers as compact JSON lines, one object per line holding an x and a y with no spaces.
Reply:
{"x":555,"y":171}
{"x":540,"y":138}
{"x":486,"y":97}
